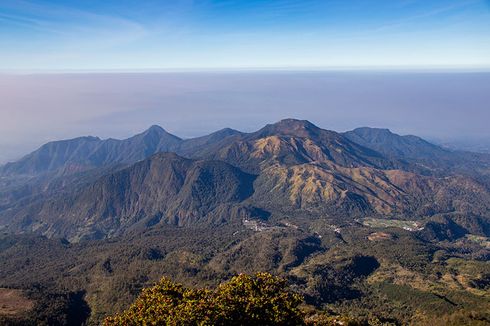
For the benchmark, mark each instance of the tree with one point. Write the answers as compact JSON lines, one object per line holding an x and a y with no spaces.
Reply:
{"x":261,"y":299}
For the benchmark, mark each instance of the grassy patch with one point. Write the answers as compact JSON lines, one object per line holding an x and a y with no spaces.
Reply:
{"x":385,"y":223}
{"x":13,"y":302}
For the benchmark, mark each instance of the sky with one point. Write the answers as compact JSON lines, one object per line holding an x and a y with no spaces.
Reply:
{"x":112,"y":68}
{"x":41,"y":35}
{"x":37,"y":108}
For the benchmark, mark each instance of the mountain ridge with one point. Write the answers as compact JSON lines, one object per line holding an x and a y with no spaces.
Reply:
{"x":296,"y":168}
{"x":95,"y":152}
{"x":90,"y":152}
{"x":356,"y":226}
{"x":164,"y":186}
{"x":389,"y":143}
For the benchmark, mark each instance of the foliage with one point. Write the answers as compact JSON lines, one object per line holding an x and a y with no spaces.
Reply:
{"x":51,"y":308}
{"x":261,"y":299}
{"x":325,"y":270}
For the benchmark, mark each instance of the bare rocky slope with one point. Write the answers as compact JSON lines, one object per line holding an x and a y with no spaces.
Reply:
{"x":288,"y":168}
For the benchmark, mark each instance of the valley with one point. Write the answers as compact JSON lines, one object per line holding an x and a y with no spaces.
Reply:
{"x":365,"y":224}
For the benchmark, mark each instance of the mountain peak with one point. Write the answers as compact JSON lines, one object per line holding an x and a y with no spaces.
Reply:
{"x":290,"y":122}
{"x":394,"y":145}
{"x":373,"y":130}
{"x":290,"y":127}
{"x":227,"y":131}
{"x":156,"y":129}
{"x":221,"y":134}
{"x":383,"y":134}
{"x":157,"y":133}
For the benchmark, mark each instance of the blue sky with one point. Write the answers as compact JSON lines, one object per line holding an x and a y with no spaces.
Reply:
{"x":205,"y":34}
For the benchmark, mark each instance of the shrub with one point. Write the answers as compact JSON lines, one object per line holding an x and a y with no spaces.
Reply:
{"x":261,"y":299}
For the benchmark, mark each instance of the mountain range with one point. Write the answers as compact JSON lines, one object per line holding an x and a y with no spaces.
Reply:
{"x":365,"y":223}
{"x":88,"y":188}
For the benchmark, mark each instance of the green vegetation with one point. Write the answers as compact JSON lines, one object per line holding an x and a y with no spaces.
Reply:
{"x":244,"y":300}
{"x":49,"y":308}
{"x":482,"y":241}
{"x":399,"y":280}
{"x":388,"y":223}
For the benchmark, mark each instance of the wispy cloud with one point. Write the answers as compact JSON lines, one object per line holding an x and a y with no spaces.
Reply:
{"x":70,"y":22}
{"x":423,"y":15}
{"x":33,"y":23}
{"x":43,"y":34}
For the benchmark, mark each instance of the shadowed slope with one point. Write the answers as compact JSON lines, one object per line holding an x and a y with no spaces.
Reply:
{"x":88,"y":152}
{"x":297,"y":168}
{"x":165,"y":188}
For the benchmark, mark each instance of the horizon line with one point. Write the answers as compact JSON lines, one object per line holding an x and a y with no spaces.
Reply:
{"x":384,"y":68}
